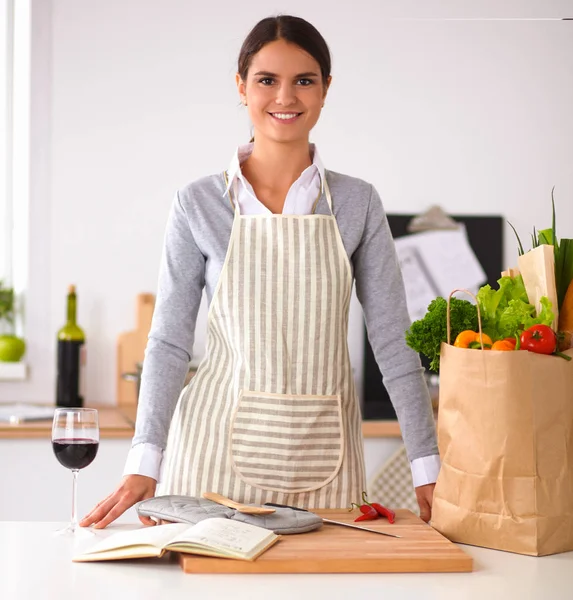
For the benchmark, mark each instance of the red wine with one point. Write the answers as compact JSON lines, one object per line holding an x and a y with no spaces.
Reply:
{"x":75,"y":453}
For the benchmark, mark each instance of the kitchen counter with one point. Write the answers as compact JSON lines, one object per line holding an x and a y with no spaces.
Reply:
{"x":35,"y":564}
{"x":114,"y":422}
{"x":118,"y":422}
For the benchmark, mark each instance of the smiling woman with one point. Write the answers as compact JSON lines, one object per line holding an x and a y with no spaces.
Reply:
{"x":283,"y":78}
{"x":272,"y":413}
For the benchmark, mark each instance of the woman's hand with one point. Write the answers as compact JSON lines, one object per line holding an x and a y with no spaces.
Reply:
{"x":425,"y":497}
{"x":132,"y":489}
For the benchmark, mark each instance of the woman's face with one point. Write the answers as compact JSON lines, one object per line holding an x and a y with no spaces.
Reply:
{"x":284,"y":92}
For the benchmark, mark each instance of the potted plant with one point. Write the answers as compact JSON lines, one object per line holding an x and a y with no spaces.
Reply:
{"x":12,"y":348}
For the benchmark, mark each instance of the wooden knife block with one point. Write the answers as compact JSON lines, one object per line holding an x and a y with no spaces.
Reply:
{"x":131,"y":348}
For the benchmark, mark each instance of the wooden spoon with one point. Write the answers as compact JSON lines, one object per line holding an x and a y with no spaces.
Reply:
{"x":242,"y":508}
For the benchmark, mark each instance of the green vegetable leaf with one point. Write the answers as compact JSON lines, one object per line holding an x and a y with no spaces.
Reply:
{"x":546,"y":237}
{"x":563,"y":269}
{"x":520,"y":315}
{"x":520,"y":246}
{"x":504,"y":310}
{"x":545,"y":316}
{"x":426,"y":335}
{"x":511,"y":318}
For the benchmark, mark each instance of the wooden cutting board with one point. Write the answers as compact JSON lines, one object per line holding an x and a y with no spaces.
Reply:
{"x":131,"y":348}
{"x":335,"y":549}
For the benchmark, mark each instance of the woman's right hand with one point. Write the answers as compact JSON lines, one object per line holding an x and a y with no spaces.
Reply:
{"x":132,"y":489}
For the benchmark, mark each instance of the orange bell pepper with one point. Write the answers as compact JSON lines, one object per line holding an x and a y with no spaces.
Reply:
{"x":506,"y":345}
{"x":471,"y":339}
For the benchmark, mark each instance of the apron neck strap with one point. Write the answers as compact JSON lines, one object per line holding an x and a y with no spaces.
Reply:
{"x":328,"y":196}
{"x":235,"y":199}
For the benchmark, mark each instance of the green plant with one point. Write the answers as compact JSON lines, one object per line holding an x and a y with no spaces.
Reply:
{"x":7,"y":311}
{"x":12,"y":348}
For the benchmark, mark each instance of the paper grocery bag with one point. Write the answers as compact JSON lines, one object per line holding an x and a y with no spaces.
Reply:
{"x":505,"y":435}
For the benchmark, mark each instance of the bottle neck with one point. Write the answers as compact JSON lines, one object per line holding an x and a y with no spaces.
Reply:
{"x":72,"y":309}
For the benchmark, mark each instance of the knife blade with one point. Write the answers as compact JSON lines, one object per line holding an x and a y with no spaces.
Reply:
{"x":332,"y":522}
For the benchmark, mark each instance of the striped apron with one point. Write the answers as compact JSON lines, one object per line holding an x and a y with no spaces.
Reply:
{"x":272,"y":413}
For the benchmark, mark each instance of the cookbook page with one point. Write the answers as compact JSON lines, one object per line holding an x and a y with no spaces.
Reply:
{"x":234,"y":536}
{"x":159,"y":536}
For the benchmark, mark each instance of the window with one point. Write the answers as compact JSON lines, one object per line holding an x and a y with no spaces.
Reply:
{"x":6,"y":62}
{"x":14,"y":137}
{"x":15,"y":27}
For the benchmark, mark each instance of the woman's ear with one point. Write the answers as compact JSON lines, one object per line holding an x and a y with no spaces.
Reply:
{"x":326,"y":87}
{"x":241,"y":88}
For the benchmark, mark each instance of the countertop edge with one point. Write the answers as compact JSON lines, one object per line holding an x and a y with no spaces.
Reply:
{"x":117,"y":422}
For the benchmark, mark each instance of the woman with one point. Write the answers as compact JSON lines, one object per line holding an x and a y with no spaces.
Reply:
{"x":272,"y":414}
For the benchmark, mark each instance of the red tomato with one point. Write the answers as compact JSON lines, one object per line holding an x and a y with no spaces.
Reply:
{"x":540,"y":339}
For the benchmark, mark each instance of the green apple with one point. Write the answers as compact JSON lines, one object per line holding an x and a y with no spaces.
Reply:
{"x":12,"y":348}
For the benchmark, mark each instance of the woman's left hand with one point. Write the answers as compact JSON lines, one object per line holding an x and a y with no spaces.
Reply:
{"x":425,"y":497}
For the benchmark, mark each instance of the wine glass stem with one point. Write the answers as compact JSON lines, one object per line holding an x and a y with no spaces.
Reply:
{"x":74,"y":522}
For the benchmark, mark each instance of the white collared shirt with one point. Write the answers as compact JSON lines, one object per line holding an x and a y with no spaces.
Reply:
{"x":147,"y":459}
{"x":300,"y":198}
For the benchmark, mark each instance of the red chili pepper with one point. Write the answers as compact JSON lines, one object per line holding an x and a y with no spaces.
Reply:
{"x":367,"y":516}
{"x":384,"y":512}
{"x":381,"y":510}
{"x":364,"y":509}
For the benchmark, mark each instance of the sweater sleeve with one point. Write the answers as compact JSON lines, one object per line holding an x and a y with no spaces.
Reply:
{"x":380,"y":290}
{"x":172,"y":333}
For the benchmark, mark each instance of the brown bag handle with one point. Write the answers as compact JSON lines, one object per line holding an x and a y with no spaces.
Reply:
{"x":448,"y":315}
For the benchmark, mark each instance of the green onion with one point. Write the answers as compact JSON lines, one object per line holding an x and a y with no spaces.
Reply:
{"x":520,"y":249}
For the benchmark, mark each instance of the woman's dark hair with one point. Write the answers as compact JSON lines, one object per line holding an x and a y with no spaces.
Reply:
{"x":290,"y":29}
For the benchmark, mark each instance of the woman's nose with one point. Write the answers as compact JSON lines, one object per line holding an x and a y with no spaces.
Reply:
{"x":286,"y":95}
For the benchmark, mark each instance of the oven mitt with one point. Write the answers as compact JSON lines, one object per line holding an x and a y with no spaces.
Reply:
{"x":187,"y":509}
{"x":283,"y":521}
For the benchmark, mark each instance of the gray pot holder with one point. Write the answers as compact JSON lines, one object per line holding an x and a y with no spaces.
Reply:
{"x":187,"y":509}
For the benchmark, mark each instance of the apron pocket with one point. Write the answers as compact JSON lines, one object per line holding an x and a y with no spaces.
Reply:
{"x":286,"y":443}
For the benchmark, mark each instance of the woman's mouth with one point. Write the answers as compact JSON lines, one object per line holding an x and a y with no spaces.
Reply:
{"x":284,"y":117}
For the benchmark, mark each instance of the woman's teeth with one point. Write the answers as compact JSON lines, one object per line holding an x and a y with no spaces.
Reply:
{"x":285,"y":116}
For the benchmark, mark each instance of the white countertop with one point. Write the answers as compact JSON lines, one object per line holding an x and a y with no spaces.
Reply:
{"x":35,"y":564}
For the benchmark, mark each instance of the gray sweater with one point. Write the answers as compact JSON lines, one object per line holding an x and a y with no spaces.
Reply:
{"x":195,"y":246}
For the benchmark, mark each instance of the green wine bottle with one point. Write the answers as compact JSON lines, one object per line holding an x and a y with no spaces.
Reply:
{"x":71,"y":357}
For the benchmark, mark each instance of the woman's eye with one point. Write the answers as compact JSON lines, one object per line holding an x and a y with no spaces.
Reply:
{"x":266,"y":80}
{"x":305,"y":82}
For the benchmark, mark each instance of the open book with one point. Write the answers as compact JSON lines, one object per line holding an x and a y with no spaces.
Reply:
{"x":223,"y":538}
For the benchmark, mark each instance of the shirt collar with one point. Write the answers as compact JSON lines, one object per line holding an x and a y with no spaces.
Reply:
{"x":243,"y":152}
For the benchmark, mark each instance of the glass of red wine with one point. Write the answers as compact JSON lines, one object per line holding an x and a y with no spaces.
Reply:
{"x":75,"y":441}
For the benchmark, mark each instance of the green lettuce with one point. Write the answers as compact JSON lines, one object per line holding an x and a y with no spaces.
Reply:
{"x":506,"y":311}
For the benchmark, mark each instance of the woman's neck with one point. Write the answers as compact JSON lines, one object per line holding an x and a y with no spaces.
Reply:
{"x":275,"y":167}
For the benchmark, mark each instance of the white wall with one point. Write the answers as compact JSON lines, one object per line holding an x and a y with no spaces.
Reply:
{"x":133,"y":99}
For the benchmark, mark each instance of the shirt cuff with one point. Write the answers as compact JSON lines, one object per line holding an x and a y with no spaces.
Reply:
{"x":425,"y":470}
{"x":144,"y":459}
